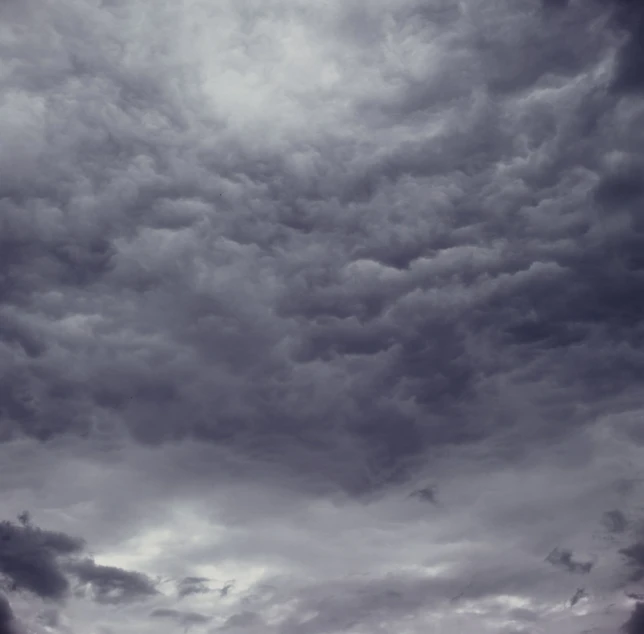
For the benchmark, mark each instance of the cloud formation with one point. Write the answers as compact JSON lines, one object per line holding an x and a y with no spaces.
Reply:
{"x":256,"y":319}
{"x":564,"y":559}
{"x":112,"y":585}
{"x":192,"y":585}
{"x":30,"y":558}
{"x":635,"y":623}
{"x":43,"y":562}
{"x":266,"y":269}
{"x":7,"y":619}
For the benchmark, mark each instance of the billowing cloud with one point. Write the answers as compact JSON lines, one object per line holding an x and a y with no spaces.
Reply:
{"x":45,"y":562}
{"x":267,"y":269}
{"x":29,"y":558}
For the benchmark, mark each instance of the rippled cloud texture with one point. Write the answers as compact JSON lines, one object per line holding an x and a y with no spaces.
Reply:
{"x":321,"y":317}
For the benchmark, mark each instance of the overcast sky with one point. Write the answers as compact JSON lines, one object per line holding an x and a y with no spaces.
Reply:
{"x":321,"y":316}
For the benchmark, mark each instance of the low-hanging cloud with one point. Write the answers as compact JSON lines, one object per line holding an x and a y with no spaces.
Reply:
{"x":316,"y":310}
{"x":333,"y":251}
{"x":45,"y":563}
{"x":30,"y":558}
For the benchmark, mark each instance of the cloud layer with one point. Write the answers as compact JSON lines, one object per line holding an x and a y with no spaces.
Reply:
{"x":289,"y":290}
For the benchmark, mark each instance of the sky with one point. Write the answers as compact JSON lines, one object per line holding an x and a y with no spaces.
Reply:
{"x":321,"y":317}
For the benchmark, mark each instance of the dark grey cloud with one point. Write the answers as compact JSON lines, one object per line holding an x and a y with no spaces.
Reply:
{"x":226,"y":588}
{"x":635,"y":624}
{"x":628,"y":77}
{"x":45,"y":562}
{"x":580,"y":593}
{"x":394,"y":354}
{"x":634,"y":555}
{"x":192,"y":585}
{"x":30,"y":558}
{"x":426,"y":494}
{"x":112,"y":585}
{"x":615,"y":521}
{"x":565,"y":559}
{"x":7,"y":620}
{"x":337,"y":250}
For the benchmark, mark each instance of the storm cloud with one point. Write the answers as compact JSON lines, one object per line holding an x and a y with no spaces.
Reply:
{"x":302,"y":311}
{"x":44,"y":563}
{"x":267,"y":269}
{"x":30,"y":558}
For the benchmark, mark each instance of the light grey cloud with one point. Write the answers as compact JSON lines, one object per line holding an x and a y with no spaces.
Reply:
{"x":182,"y":618}
{"x":241,"y":620}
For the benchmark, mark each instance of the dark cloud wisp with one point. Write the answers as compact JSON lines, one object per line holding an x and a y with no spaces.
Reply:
{"x":181,"y":617}
{"x":192,"y":585}
{"x":112,"y":585}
